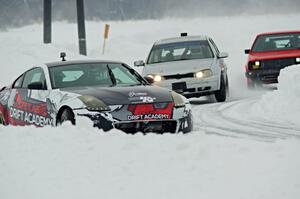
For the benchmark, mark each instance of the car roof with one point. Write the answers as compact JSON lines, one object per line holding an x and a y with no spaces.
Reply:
{"x":86,"y":61}
{"x":279,"y":32}
{"x":181,"y":39}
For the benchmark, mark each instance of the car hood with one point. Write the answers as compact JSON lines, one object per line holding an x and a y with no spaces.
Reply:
{"x":178,"y":67}
{"x":274,"y":55}
{"x":125,"y":95}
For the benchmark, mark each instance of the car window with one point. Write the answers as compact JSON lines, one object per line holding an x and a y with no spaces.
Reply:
{"x":91,"y":74}
{"x":277,"y":42}
{"x":123,"y":76}
{"x":33,"y":76}
{"x":77,"y":75}
{"x":180,"y":51}
{"x":18,"y":82}
{"x":72,"y":75}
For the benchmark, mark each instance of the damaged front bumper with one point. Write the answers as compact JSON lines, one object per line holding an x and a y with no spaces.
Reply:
{"x":106,"y":121}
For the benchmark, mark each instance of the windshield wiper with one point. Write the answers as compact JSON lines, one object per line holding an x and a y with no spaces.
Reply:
{"x":139,"y":84}
{"x":155,"y":62}
{"x":112,"y":76}
{"x":132,"y":71}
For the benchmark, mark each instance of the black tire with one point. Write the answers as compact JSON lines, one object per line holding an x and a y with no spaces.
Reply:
{"x":190,"y":124}
{"x":66,"y":115}
{"x":220,"y":95}
{"x":227,"y":86}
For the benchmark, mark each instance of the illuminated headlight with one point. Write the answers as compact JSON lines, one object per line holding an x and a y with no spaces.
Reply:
{"x":156,"y":78}
{"x":203,"y":73}
{"x":178,"y":101}
{"x":256,"y":65}
{"x":298,"y":59}
{"x":93,"y":104}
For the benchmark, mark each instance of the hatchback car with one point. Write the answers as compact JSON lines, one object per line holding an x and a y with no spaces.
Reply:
{"x":190,"y":65}
{"x":270,"y":53}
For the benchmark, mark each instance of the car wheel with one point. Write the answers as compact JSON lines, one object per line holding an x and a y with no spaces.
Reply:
{"x":220,"y":95}
{"x":190,"y":124}
{"x":67,"y":115}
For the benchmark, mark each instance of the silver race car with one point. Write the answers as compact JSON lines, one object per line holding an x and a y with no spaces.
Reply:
{"x":111,"y":94}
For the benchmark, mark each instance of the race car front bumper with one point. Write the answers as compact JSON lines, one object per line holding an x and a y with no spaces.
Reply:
{"x":106,"y":121}
{"x":263,"y":76}
{"x":191,"y":87}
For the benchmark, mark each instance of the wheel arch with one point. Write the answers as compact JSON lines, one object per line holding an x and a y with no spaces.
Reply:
{"x":61,"y":110}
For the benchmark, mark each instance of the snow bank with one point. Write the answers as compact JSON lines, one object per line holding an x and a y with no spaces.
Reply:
{"x":283,"y":105}
{"x":83,"y":162}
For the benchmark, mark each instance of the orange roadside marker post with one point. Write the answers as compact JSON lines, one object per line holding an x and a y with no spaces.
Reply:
{"x":106,"y":33}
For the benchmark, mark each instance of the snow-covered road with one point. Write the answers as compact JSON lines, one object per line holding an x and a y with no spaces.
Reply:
{"x":233,"y":119}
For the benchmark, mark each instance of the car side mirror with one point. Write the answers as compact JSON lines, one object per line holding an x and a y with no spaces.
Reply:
{"x":139,"y":63}
{"x":149,"y":79}
{"x":223,"y":55}
{"x":36,"y":86}
{"x":247,"y":51}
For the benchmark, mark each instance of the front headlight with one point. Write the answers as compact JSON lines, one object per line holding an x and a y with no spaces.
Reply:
{"x":178,"y":100}
{"x":254,"y":65}
{"x":203,"y":73}
{"x":156,"y":78}
{"x":298,"y":59}
{"x":93,"y":104}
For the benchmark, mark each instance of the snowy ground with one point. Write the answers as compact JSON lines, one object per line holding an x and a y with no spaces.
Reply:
{"x":245,"y":148}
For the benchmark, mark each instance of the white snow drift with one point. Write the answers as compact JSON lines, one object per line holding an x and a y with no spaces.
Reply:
{"x":283,"y":105}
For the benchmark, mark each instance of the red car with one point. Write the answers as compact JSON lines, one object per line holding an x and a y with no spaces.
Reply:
{"x":270,"y":53}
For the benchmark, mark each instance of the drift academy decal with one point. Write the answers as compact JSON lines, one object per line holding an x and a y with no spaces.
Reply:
{"x":160,"y":111}
{"x":26,"y":110}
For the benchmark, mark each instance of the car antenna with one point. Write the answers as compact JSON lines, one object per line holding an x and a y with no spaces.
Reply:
{"x":62,"y":56}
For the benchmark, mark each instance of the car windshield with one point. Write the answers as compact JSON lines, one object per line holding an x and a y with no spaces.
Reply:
{"x":277,"y":42}
{"x":180,"y":51}
{"x":93,"y":74}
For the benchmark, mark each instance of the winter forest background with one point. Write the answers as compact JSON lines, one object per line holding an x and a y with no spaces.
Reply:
{"x":14,"y":13}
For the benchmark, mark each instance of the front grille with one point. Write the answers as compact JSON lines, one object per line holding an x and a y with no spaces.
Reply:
{"x":277,"y":63}
{"x":179,"y":76}
{"x":148,"y":126}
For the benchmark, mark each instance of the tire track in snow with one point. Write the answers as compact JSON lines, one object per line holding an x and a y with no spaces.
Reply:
{"x":235,"y":119}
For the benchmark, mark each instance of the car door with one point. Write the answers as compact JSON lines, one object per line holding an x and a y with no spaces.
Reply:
{"x":29,"y":100}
